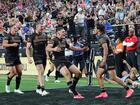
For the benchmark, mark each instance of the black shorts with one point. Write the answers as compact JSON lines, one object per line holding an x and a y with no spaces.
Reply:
{"x":70,"y":58}
{"x":40,"y":60}
{"x":79,"y":60}
{"x":12,"y":61}
{"x":111,"y":62}
{"x":60,"y":63}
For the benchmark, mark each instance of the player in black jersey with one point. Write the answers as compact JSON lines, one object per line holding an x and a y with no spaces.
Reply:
{"x":11,"y":43}
{"x":108,"y":59}
{"x":38,"y":41}
{"x":57,"y":46}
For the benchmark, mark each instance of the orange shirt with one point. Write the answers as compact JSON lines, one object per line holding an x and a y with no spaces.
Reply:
{"x":119,"y":47}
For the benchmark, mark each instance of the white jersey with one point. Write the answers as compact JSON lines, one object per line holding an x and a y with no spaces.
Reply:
{"x":125,"y":77}
{"x":68,"y":52}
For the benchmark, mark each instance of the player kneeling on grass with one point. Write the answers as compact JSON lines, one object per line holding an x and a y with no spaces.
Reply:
{"x":11,"y":43}
{"x":63,"y":65}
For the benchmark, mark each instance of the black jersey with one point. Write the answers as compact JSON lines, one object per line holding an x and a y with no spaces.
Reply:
{"x":12,"y":52}
{"x":105,"y":39}
{"x":39,"y":43}
{"x":59,"y":43}
{"x":110,"y":58}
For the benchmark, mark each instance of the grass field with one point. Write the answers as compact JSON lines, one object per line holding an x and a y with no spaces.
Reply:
{"x":59,"y":94}
{"x":29,"y":83}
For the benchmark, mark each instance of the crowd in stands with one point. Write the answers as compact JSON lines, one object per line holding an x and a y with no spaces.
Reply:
{"x":78,"y":17}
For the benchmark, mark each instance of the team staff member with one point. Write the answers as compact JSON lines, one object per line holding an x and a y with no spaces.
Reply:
{"x":108,"y":58}
{"x":131,"y":43}
{"x":119,"y":56}
{"x":38,"y":41}
{"x":57,"y":46}
{"x":11,"y":43}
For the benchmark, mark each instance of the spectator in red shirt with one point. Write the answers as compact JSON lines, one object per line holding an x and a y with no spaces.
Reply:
{"x":131,"y":43}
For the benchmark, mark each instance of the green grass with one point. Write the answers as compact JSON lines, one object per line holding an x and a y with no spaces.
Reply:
{"x":28,"y":83}
{"x":61,"y":96}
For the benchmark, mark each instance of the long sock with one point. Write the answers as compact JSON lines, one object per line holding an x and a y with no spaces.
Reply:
{"x":38,"y":87}
{"x":18,"y":79}
{"x":103,"y":90}
{"x":127,"y":88}
{"x":71,"y":87}
{"x":75,"y":81}
{"x":8,"y":73}
{"x":49,"y":72}
{"x":42,"y":88}
{"x":9,"y":80}
{"x":56,"y":75}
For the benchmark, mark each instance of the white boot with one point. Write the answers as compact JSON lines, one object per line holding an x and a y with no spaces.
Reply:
{"x":18,"y":91}
{"x":7,"y":89}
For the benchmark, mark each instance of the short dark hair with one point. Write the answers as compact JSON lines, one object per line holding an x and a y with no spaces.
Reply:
{"x":59,"y":28}
{"x":101,"y":27}
{"x":121,"y":39}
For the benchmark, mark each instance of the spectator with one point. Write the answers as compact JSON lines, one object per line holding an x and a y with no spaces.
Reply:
{"x":131,"y":43}
{"x":119,"y":11}
{"x":79,"y":22}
